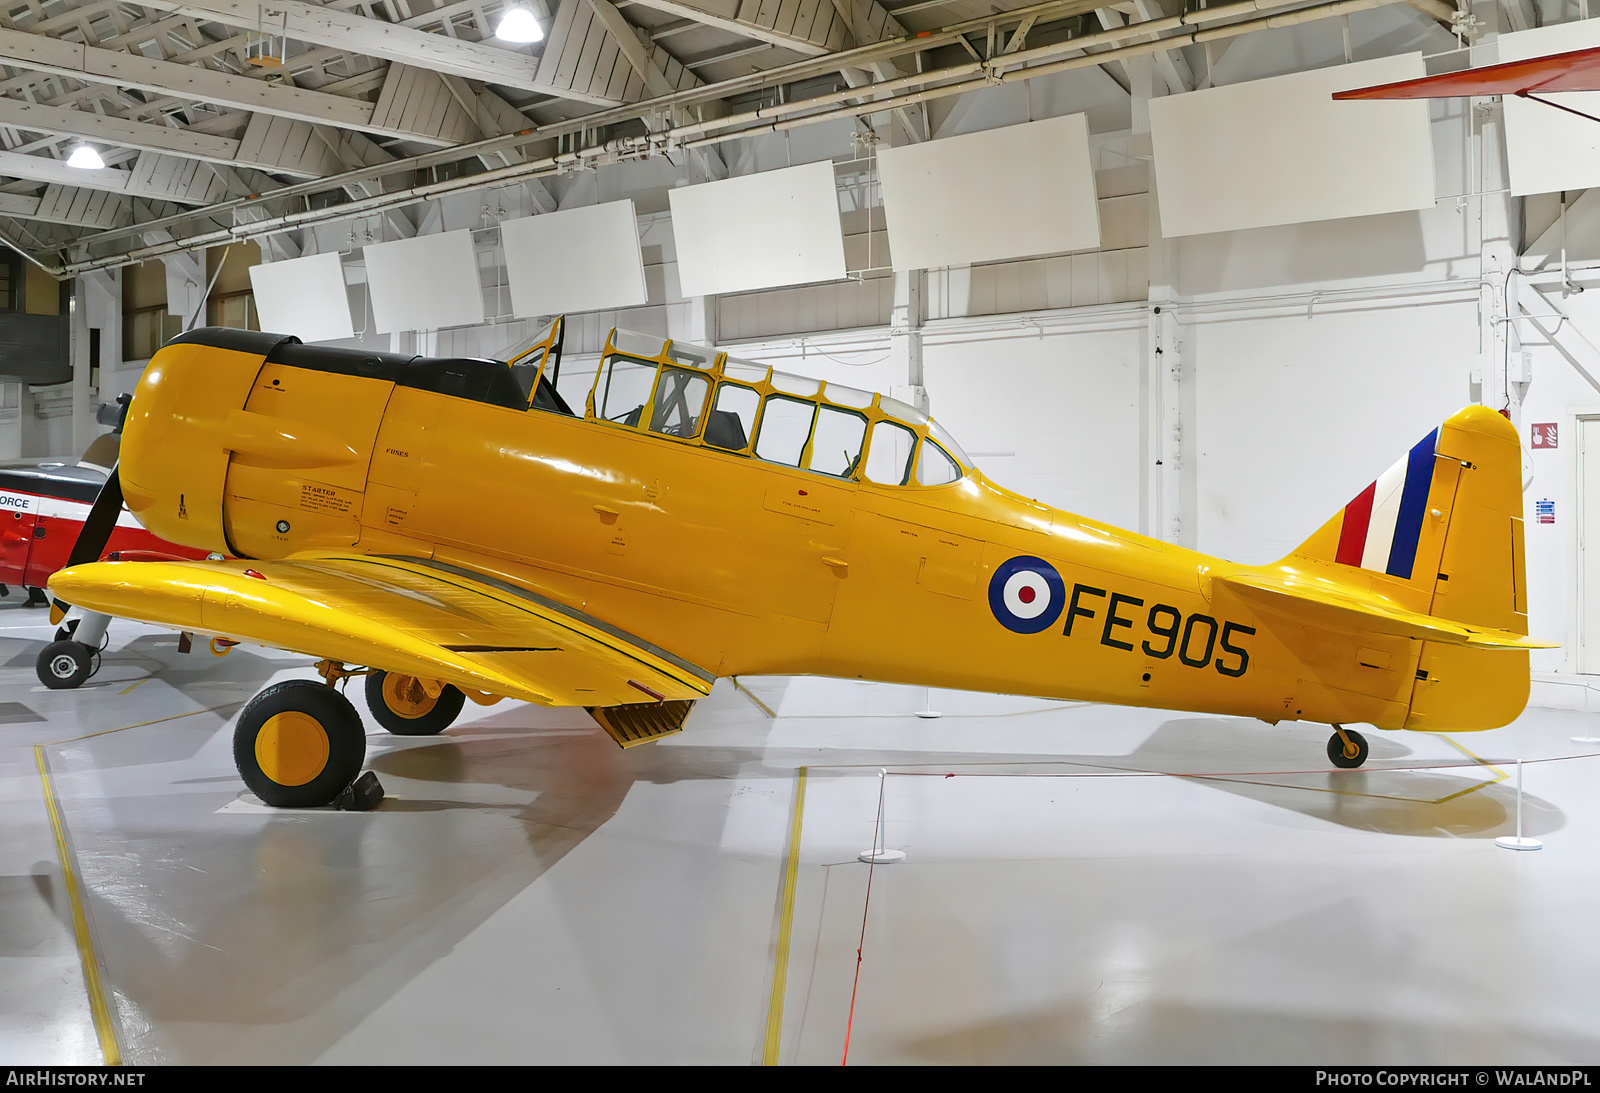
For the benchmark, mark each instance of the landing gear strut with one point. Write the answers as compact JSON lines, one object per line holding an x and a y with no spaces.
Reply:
{"x":1347,"y":749}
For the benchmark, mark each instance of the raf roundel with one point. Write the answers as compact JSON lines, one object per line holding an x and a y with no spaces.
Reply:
{"x":1026,"y":595}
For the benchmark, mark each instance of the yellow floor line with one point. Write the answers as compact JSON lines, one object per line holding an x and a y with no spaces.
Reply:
{"x":103,"y":1025}
{"x":762,"y":706}
{"x":141,"y":724}
{"x":780,"y":962}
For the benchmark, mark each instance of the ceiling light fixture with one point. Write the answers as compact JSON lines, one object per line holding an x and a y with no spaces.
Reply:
{"x":519,"y":25}
{"x":85,"y":158}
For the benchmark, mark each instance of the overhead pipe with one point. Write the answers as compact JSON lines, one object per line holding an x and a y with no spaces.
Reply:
{"x":995,"y":64}
{"x":989,"y":77}
{"x":980,"y":75}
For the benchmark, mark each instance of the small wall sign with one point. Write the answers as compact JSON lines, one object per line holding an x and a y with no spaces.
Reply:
{"x":1544,"y":434}
{"x":1545,"y":511}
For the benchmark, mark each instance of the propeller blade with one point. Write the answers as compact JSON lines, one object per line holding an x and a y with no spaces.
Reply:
{"x":96,"y":533}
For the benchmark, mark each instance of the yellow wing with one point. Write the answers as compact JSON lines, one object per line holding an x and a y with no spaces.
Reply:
{"x":417,"y":616}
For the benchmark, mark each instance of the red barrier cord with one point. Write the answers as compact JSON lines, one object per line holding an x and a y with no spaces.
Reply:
{"x":877,"y":841}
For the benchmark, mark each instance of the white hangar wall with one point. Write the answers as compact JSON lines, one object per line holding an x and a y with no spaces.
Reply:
{"x":1298,"y":408}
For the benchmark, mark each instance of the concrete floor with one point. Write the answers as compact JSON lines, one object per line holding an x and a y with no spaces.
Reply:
{"x":1081,"y":884}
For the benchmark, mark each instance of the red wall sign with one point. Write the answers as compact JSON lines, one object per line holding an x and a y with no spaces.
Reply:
{"x":1544,"y":435}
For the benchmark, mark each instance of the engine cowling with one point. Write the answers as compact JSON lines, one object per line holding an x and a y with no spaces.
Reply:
{"x":176,"y":444}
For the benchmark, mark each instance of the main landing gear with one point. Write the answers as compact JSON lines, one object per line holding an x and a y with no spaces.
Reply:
{"x":301,"y":744}
{"x":408,"y":706}
{"x":74,"y":656}
{"x":298,"y":744}
{"x":1347,"y":749}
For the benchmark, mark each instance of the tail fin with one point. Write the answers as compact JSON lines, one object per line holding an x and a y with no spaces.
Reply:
{"x":1440,"y":534}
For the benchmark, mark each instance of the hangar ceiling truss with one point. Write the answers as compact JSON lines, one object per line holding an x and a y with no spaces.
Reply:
{"x":225,"y":119}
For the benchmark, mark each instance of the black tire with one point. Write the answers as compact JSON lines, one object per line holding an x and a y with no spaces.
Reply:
{"x":1336,"y":754}
{"x":423,"y":718}
{"x":65,"y":631}
{"x":279,"y":753}
{"x":64,"y":665}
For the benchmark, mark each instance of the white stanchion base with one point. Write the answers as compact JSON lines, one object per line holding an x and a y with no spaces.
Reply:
{"x":882,"y":857}
{"x":1518,"y":842}
{"x":929,"y":713}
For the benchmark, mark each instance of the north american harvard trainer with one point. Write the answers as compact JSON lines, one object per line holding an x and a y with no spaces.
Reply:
{"x":458,"y":531}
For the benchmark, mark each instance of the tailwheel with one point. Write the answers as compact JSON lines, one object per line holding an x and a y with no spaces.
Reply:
{"x":299,"y":744}
{"x":1347,"y":748}
{"x":404,"y":707}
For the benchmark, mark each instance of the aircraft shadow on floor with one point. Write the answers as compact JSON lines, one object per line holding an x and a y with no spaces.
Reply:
{"x":1283,"y":766}
{"x":1273,"y":765}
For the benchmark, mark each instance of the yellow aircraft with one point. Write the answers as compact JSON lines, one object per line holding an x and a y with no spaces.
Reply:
{"x":457,"y":529}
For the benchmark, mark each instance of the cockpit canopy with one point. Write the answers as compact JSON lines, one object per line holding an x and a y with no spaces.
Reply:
{"x":704,"y":397}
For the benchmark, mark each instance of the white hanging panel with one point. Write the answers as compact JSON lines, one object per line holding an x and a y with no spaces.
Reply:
{"x":1282,"y":151}
{"x":758,"y":231}
{"x":1002,"y":193}
{"x":1548,"y":149}
{"x":424,"y":283}
{"x":305,"y":297}
{"x":576,"y":260}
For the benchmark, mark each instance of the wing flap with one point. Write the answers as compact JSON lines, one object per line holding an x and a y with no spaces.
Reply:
{"x":402,"y":615}
{"x":1331,"y":605}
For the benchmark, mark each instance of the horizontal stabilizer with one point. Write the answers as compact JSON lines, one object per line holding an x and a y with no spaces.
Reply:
{"x":1328,"y":604}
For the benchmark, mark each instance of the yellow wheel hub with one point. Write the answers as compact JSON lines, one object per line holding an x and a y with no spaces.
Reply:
{"x":404,"y":695}
{"x":292,"y":748}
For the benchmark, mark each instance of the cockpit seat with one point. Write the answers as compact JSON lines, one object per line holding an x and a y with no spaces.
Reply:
{"x":725,"y":430}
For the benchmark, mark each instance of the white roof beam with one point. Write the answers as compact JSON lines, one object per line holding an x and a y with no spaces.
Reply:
{"x":633,"y":49}
{"x":119,"y":68}
{"x":813,"y":29}
{"x":39,"y":118}
{"x":1170,"y":64}
{"x":868,"y":22}
{"x":83,"y":208}
{"x":1520,"y":14}
{"x":141,"y":181}
{"x":372,"y":37}
{"x":18,"y":205}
